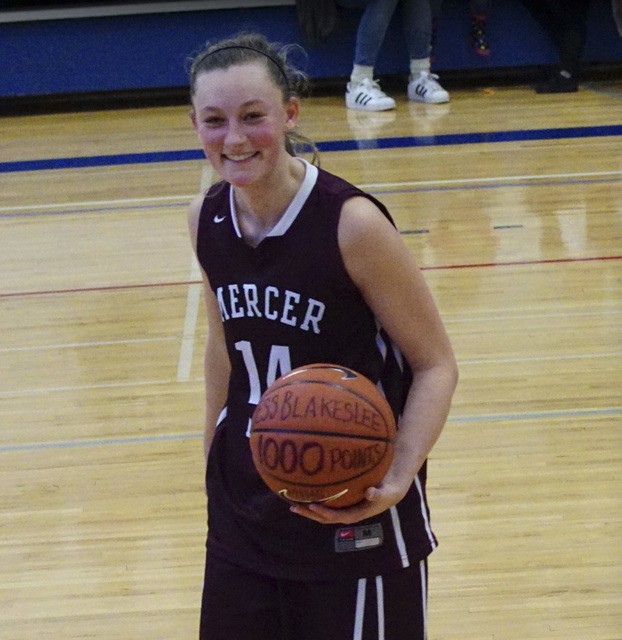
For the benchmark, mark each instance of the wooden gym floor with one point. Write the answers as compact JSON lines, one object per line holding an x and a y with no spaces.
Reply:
{"x":512,"y":203}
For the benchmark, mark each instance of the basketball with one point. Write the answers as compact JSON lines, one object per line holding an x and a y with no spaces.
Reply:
{"x":322,"y":433}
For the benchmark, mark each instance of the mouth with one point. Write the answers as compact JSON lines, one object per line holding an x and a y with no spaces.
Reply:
{"x":240,"y":157}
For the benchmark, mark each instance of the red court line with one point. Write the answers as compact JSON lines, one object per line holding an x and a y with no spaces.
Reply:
{"x":117,"y":287}
{"x":121,"y":287}
{"x":520,"y":263}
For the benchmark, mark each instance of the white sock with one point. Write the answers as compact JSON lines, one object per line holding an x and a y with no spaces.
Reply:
{"x":417,"y":65}
{"x":360,"y":72}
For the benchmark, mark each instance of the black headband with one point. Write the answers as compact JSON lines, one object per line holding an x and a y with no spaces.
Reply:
{"x":270,"y":57}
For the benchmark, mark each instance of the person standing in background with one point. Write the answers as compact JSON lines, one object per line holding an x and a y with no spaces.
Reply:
{"x":318,"y":20}
{"x":565,"y":22}
{"x":363,"y":91}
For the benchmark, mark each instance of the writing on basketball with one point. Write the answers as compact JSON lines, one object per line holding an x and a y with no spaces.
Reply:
{"x":312,"y":457}
{"x":288,"y":307}
{"x":285,"y":406}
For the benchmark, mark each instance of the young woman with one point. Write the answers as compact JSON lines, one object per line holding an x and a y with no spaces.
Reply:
{"x":302,"y":267}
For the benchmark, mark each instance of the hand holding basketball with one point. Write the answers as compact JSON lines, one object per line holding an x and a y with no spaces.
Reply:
{"x":322,"y":434}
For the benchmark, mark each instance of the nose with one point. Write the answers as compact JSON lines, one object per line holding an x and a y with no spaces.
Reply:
{"x":234,"y":134}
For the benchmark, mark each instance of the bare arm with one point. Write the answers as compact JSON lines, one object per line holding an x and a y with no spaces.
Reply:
{"x":385,"y":271}
{"x":217,"y":365}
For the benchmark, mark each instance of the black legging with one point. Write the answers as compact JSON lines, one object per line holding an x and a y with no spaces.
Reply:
{"x":565,"y":21}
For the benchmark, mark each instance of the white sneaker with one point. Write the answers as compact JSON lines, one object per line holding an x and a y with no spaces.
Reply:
{"x":424,"y":88}
{"x":367,"y":96}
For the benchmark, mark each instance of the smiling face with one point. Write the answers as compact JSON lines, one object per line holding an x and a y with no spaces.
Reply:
{"x":241,"y":121}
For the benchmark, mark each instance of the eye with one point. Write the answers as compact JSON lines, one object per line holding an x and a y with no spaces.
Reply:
{"x":213,"y":121}
{"x":253,"y":116}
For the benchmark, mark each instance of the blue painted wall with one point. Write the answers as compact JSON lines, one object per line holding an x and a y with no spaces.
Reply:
{"x":84,"y":55}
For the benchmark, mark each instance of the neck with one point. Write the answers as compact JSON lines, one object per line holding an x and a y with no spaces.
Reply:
{"x":260,"y":209}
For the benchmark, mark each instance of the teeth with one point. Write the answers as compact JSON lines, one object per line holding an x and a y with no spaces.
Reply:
{"x":240,"y":157}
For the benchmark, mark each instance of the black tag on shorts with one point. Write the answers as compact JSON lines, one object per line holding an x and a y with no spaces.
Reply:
{"x":358,"y":538}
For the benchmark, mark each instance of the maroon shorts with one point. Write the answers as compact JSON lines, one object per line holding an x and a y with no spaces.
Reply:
{"x":239,"y":604}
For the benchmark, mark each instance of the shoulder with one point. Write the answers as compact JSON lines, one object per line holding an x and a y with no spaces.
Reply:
{"x":332,"y":183}
{"x":369,"y":242}
{"x":349,"y":197}
{"x":362,"y":218}
{"x":199,"y":203}
{"x":335,"y":192}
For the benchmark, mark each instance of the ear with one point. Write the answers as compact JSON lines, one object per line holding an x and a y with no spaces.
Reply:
{"x":292,"y":110}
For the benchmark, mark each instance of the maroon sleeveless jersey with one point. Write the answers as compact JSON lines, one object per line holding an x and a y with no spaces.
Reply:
{"x":286,"y":303}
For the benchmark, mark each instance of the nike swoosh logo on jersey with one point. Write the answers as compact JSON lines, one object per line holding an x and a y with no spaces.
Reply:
{"x":219,"y":219}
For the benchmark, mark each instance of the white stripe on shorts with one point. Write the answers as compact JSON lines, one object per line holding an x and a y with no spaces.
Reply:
{"x":360,"y":609}
{"x":380,"y":601}
{"x":424,"y":598}
{"x":359,"y":615}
